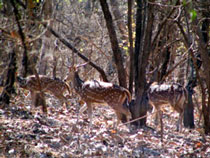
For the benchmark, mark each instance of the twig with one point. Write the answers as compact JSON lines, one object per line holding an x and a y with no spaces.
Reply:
{"x":139,"y":118}
{"x":180,"y":62}
{"x":66,"y":43}
{"x":92,"y":43}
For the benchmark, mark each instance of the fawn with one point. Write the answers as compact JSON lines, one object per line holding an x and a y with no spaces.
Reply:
{"x":173,"y":94}
{"x":56,"y":87}
{"x":100,"y":92}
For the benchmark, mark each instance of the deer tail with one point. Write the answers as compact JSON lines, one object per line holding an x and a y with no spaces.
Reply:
{"x":128,"y":94}
{"x":68,"y":88}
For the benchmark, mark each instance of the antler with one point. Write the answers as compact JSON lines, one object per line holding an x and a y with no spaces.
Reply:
{"x":80,"y":65}
{"x":77,"y":66}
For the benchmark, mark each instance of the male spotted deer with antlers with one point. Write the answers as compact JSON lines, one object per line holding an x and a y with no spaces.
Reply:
{"x":55,"y":87}
{"x":173,"y":94}
{"x":100,"y":92}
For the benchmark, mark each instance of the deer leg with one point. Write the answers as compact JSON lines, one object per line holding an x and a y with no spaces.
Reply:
{"x":160,"y":113}
{"x":90,"y":116}
{"x":62,"y":99}
{"x":156,"y":112}
{"x":117,"y":122}
{"x":83,"y":108}
{"x":38,"y":99}
{"x":33,"y":99}
{"x":157,"y":117}
{"x":179,"y":122}
{"x":65,"y":100}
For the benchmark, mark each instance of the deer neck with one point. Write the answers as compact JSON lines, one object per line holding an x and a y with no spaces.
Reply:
{"x":77,"y":82}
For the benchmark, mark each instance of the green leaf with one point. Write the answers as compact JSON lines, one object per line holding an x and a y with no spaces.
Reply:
{"x":184,"y":2}
{"x":1,"y":4}
{"x":193,"y":14}
{"x":125,"y":48}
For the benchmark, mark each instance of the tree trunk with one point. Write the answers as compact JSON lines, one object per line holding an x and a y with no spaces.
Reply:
{"x":114,"y":43}
{"x":130,"y":34}
{"x":24,"y":69}
{"x":9,"y":89}
{"x":141,"y":102}
{"x":164,"y":67}
{"x":138,"y":42}
{"x":189,"y":108}
{"x":203,"y":49}
{"x":43,"y":60}
{"x":46,"y":40}
{"x":118,"y":17}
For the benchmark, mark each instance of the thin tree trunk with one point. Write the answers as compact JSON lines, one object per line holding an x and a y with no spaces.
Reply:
{"x":205,"y":56}
{"x":138,"y":42}
{"x":130,"y":34}
{"x":47,"y":11}
{"x":118,"y":17}
{"x":9,"y":85}
{"x":114,"y":43}
{"x":189,"y":109}
{"x":24,"y":69}
{"x":42,"y":61}
{"x":141,"y":102}
{"x":165,"y":63}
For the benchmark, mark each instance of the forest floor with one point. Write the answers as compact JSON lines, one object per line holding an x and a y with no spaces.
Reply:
{"x":62,"y":134}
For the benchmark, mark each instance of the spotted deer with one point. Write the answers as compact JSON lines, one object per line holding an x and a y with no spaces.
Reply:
{"x":99,"y":92}
{"x":55,"y":87}
{"x":173,"y":94}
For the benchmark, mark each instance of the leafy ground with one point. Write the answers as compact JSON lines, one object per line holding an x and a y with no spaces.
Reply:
{"x":27,"y":133}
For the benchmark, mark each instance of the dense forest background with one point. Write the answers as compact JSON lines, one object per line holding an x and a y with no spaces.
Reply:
{"x":130,"y":43}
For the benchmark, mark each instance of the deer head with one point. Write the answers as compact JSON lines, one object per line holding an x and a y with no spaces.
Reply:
{"x":72,"y":70}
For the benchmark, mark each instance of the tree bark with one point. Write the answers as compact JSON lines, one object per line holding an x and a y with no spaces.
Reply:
{"x":114,"y":43}
{"x":22,"y":36}
{"x":141,"y":102}
{"x":189,"y":108}
{"x":202,"y":46}
{"x":47,"y":11}
{"x":9,"y":85}
{"x":165,"y":63}
{"x":130,"y":35}
{"x":138,"y":42}
{"x":118,"y":17}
